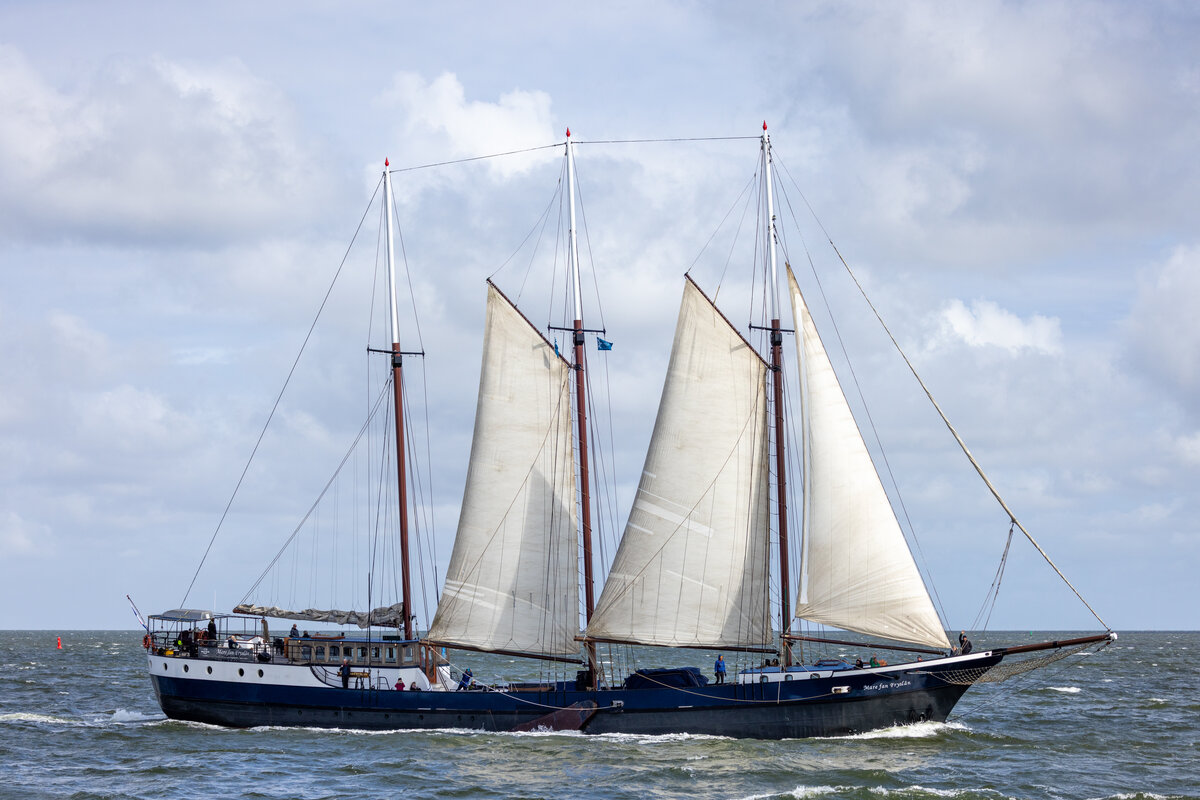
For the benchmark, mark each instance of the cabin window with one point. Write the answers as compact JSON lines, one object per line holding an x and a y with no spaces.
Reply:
{"x":321,"y":653}
{"x":391,"y":654}
{"x":333,"y":652}
{"x":305,"y":652}
{"x":362,"y":654}
{"x":374,"y":653}
{"x":408,"y":653}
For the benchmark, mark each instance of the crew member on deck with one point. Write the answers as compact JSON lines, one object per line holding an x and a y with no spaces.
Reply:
{"x":344,"y":671}
{"x":719,"y":669}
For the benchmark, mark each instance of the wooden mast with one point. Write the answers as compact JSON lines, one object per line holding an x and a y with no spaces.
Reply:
{"x":785,"y":605}
{"x":585,"y":505}
{"x":398,"y":402}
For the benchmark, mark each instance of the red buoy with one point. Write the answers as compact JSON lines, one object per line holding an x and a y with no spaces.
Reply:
{"x":59,"y":642}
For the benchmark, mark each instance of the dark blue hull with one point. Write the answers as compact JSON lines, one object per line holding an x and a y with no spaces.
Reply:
{"x":844,"y":703}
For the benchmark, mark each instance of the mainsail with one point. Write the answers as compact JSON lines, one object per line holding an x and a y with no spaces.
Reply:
{"x":512,"y":580}
{"x":856,"y":569}
{"x":692,"y":566}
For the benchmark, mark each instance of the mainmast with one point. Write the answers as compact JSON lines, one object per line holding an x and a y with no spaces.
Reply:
{"x":398,"y":401}
{"x":585,"y":505}
{"x":785,"y":609}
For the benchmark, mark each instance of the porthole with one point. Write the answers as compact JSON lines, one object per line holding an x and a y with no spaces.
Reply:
{"x":260,"y":673}
{"x":762,"y":679}
{"x":210,"y":670}
{"x":241,"y":672}
{"x":185,"y":667}
{"x":787,"y":677}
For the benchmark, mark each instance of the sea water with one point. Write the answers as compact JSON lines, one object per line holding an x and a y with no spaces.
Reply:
{"x":1123,"y":723}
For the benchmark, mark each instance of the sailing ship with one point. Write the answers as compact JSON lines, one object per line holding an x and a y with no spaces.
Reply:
{"x":693,"y":569}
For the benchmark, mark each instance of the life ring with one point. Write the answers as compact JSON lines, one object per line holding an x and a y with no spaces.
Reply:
{"x":147,"y":642}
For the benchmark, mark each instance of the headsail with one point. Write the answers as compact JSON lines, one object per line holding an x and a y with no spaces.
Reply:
{"x":512,"y":580}
{"x":856,"y":570}
{"x":692,"y":567}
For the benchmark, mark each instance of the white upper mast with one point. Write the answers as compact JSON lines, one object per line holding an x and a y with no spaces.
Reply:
{"x":391,"y":258}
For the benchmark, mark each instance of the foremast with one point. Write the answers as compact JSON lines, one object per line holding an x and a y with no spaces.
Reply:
{"x":785,"y":614}
{"x":398,"y":402}
{"x":585,"y":506}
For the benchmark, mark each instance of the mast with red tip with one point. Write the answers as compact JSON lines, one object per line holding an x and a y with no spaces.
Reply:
{"x":585,"y":506}
{"x":398,"y":399}
{"x":785,"y":604}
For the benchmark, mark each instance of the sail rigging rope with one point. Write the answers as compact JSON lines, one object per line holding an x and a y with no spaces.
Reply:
{"x":927,"y":574}
{"x":275,"y":407}
{"x":312,"y":509}
{"x":962,"y":444}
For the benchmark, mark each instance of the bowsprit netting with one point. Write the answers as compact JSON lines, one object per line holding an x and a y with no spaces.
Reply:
{"x":1008,"y":669}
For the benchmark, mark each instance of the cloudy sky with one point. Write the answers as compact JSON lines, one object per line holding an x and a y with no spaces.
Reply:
{"x":1016,"y":184}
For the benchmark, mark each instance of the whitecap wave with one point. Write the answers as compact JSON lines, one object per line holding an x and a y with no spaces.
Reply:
{"x":24,"y":716}
{"x":917,"y":730}
{"x":802,"y":792}
{"x":662,"y":738}
{"x":124,"y":715}
{"x":1065,"y":689}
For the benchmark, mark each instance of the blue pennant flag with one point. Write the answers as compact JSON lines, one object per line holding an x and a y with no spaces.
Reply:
{"x":601,"y":344}
{"x":556,"y":349}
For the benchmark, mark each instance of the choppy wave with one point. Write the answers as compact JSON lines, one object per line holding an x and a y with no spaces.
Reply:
{"x":917,"y":730}
{"x":913,"y":791}
{"x":45,"y":719}
{"x":1065,"y":689}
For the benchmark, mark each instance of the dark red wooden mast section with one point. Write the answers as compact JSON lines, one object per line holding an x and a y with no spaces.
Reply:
{"x":398,"y":401}
{"x":785,"y":600}
{"x":585,"y":504}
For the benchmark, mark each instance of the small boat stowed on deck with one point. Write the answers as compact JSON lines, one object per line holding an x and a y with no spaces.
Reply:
{"x":693,"y":569}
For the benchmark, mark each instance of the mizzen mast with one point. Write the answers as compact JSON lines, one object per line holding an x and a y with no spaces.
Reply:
{"x":785,"y":610}
{"x":398,"y":402}
{"x":585,"y":505}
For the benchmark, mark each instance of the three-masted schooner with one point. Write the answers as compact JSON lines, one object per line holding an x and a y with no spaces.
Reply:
{"x":693,"y":568}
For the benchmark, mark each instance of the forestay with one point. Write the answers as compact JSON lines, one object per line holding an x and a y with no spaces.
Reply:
{"x":692,"y":566}
{"x":512,"y":580}
{"x":856,"y":569}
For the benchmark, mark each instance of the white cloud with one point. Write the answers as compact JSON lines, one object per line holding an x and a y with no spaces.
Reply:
{"x":438,"y":123}
{"x":1164,"y":335}
{"x":19,"y":537}
{"x":986,"y":324}
{"x":148,"y":149}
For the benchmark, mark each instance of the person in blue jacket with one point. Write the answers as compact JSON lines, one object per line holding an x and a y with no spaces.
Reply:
{"x":719,"y":669}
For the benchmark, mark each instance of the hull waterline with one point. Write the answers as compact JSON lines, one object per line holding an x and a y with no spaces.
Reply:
{"x":844,"y":703}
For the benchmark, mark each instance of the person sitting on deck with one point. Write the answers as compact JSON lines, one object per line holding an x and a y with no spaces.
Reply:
{"x":294,"y":632}
{"x":399,"y":684}
{"x":874,"y":661}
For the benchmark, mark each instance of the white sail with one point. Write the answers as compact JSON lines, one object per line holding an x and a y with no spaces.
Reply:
{"x":856,"y":569}
{"x":512,"y":582}
{"x":692,"y":566}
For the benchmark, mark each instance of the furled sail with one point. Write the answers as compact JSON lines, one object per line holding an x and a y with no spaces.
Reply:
{"x":390,"y":616}
{"x":692,"y":566}
{"x":856,"y":569}
{"x":512,"y":582}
